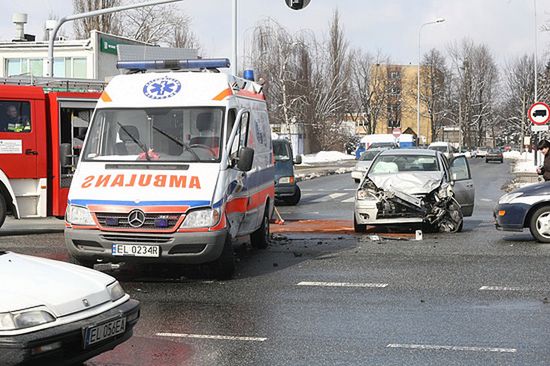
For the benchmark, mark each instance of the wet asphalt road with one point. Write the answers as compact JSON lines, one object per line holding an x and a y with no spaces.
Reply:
{"x":473,"y":298}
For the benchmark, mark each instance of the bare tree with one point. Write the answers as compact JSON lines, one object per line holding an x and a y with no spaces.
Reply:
{"x":369,"y":89}
{"x":518,"y":94}
{"x":108,"y":23}
{"x":433,"y":90}
{"x":477,"y":86}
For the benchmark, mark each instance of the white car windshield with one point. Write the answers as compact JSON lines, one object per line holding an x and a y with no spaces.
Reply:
{"x":390,"y":164}
{"x":156,"y":134}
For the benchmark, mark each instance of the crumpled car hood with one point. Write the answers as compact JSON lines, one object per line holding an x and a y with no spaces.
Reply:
{"x":410,"y":182}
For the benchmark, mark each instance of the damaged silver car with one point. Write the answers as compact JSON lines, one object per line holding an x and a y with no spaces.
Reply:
{"x":415,"y":187}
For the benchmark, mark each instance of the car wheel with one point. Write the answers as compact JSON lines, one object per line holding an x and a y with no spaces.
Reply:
{"x":295,"y":198}
{"x":358,"y":228}
{"x":3,"y":210}
{"x":223,"y":267}
{"x":539,"y":224}
{"x":260,"y":238}
{"x":80,"y":262}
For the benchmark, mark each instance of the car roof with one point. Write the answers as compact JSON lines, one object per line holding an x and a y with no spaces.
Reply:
{"x":424,"y":152}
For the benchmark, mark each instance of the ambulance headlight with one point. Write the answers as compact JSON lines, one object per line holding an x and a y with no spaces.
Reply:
{"x":78,"y":215}
{"x":201,"y":218}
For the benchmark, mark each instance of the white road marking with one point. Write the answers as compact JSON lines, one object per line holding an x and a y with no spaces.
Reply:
{"x":326,"y":198}
{"x":452,"y":348}
{"x":208,"y":336}
{"x":502,"y":288}
{"x":351,"y":199}
{"x":486,"y":200}
{"x":342,"y":284}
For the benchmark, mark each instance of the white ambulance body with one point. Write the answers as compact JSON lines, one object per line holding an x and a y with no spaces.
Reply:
{"x":175,"y":166}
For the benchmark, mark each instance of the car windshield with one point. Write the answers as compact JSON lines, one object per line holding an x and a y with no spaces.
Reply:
{"x":369,"y":155}
{"x":156,"y":134}
{"x":281,"y":150}
{"x":388,"y":164}
{"x":441,"y":148}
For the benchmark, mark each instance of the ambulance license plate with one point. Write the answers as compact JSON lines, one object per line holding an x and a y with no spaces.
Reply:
{"x":135,"y":250}
{"x":106,"y":330}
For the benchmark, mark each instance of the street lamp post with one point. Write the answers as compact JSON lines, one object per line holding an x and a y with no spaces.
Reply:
{"x":89,"y":14}
{"x":438,"y":20}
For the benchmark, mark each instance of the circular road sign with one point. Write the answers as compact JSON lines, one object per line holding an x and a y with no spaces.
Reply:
{"x":396,"y":132}
{"x":539,"y":113}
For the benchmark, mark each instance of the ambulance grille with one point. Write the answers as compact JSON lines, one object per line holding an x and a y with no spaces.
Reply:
{"x":133,"y":239}
{"x":153,"y":221}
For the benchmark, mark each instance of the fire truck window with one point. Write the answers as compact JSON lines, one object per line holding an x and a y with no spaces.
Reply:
{"x":14,"y":116}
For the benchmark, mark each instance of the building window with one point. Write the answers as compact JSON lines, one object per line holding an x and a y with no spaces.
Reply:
{"x":70,"y":67}
{"x":394,"y":75}
{"x":394,"y":90}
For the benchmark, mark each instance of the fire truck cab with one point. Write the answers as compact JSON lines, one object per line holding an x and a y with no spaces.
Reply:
{"x":42,"y":127}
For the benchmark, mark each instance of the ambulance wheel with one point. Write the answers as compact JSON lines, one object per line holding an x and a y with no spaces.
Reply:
{"x":260,"y":238}
{"x":358,"y":228}
{"x":224,"y":267}
{"x":3,"y":209}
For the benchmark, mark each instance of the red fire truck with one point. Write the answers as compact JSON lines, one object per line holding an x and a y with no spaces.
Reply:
{"x":42,"y":126}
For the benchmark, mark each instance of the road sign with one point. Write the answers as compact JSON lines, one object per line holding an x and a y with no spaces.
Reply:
{"x":539,"y":113}
{"x":539,"y":128}
{"x":396,"y":132}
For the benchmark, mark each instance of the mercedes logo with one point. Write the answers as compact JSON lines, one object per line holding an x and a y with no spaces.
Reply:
{"x":136,"y":218}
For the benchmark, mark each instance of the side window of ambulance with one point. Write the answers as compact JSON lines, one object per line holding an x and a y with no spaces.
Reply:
{"x":240,"y":136}
{"x":15,"y":116}
{"x":231,"y":115}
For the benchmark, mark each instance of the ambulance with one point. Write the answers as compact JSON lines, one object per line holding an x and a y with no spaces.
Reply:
{"x":177,"y":165}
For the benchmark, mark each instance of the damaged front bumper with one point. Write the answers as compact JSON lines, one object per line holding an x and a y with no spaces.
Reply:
{"x":374,"y":206}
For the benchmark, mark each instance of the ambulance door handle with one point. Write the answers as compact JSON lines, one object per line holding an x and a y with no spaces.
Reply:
{"x":31,"y":152}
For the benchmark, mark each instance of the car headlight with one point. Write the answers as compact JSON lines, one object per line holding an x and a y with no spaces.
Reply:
{"x":115,"y":291}
{"x":286,"y":180}
{"x":78,"y":215}
{"x":201,"y":218}
{"x":25,"y":318}
{"x":364,"y":194}
{"x":509,"y":197}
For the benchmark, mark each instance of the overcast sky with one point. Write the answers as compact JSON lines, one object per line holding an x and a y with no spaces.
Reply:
{"x":506,"y":26}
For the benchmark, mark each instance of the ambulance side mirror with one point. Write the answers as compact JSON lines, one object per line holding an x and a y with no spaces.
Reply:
{"x":246,"y":158}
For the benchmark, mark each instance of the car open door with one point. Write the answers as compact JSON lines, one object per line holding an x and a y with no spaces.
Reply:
{"x":463,"y":184}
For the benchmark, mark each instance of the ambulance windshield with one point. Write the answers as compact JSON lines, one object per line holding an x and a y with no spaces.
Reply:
{"x":157,"y":134}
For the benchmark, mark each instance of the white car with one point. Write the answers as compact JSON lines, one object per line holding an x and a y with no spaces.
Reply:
{"x":415,"y":187}
{"x":56,"y":313}
{"x":363,"y":164}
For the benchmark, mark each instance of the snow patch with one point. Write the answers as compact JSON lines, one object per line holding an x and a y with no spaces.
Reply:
{"x":326,"y":157}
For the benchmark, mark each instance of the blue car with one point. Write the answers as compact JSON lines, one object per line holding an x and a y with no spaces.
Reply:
{"x":528,"y":206}
{"x":286,"y":189}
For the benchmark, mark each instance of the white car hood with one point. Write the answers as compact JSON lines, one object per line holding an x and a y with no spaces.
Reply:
{"x":27,"y":282}
{"x":410,"y":182}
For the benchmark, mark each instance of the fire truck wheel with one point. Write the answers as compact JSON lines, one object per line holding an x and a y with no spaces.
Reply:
{"x":3,"y":209}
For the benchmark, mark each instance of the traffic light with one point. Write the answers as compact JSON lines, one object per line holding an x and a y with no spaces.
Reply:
{"x":297,"y":4}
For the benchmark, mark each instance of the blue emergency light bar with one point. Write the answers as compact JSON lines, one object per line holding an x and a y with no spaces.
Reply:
{"x":208,"y":63}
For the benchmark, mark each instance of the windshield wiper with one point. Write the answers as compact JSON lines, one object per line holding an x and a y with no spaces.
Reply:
{"x":187,"y":148}
{"x":141,"y":145}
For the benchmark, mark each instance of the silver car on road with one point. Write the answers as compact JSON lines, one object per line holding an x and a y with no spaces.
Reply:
{"x":413,"y":186}
{"x":363,"y":164}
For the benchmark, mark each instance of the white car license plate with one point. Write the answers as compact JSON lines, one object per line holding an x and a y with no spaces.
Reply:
{"x":103,"y":331}
{"x":136,"y":250}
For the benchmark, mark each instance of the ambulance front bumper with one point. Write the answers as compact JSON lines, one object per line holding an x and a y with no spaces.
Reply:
{"x":90,"y":246}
